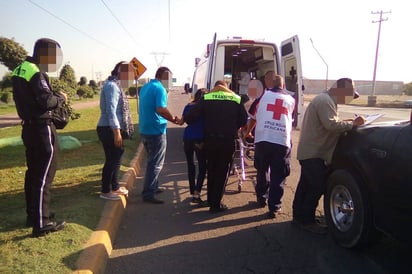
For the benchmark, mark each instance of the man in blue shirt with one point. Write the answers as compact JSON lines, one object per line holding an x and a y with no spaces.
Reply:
{"x":153,"y":117}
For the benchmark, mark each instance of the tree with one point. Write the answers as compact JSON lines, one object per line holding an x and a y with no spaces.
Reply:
{"x":83,"y":81}
{"x":407,"y":89}
{"x":6,"y":82}
{"x":67,"y":75}
{"x":93,"y":85}
{"x":12,"y":53}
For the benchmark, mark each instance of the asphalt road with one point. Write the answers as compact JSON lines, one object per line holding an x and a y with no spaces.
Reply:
{"x":179,"y":237}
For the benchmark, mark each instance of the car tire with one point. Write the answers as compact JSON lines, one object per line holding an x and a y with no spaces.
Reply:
{"x":347,"y":211}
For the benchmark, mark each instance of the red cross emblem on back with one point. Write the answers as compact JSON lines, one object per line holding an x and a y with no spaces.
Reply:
{"x":278,"y":109}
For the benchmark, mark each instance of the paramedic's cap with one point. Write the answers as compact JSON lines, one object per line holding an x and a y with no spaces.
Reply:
{"x":48,"y":54}
{"x":343,"y":91}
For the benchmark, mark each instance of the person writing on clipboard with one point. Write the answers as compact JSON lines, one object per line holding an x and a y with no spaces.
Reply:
{"x":320,"y":132}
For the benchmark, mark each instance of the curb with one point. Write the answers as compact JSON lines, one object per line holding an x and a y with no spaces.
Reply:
{"x":98,"y":248}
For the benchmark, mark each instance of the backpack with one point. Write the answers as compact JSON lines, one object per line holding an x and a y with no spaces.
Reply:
{"x":61,"y":116}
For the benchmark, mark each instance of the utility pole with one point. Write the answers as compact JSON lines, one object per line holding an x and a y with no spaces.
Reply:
{"x":372,"y":98}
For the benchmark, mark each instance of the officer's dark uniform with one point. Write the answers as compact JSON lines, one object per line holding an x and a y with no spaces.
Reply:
{"x":223,"y":115}
{"x":34,"y":102}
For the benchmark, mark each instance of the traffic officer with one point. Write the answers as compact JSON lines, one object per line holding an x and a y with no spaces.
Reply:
{"x":223,"y":115}
{"x":35,"y":100}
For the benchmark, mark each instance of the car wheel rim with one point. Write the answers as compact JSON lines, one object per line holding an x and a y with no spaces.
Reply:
{"x":342,"y":208}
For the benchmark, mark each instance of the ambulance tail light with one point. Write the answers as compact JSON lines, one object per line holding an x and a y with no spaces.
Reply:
{"x":247,"y":41}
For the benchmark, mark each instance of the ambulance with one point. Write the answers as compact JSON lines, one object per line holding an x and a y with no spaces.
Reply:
{"x":243,"y":63}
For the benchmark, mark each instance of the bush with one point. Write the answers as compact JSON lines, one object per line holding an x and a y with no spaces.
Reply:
{"x":62,"y":86}
{"x":85,"y":92}
{"x":6,"y":97}
{"x":407,"y":89}
{"x":132,"y":91}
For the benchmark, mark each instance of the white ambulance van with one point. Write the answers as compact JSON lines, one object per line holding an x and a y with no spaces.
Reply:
{"x":238,"y":61}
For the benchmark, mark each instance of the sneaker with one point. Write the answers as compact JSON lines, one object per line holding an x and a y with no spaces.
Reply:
{"x":203,"y":204}
{"x":121,"y":191}
{"x":221,"y":208}
{"x":110,"y":196}
{"x":49,"y":228}
{"x":196,"y":200}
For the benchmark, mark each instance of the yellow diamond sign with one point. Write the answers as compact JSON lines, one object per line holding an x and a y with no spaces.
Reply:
{"x":139,"y":67}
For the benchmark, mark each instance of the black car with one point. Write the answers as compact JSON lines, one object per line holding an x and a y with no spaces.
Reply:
{"x":369,"y":187}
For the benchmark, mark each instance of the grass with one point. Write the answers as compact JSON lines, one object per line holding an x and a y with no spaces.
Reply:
{"x":7,"y":109}
{"x":74,"y":198}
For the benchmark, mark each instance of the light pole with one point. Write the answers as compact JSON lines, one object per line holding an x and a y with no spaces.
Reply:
{"x":327,"y":68}
{"x":372,"y":98}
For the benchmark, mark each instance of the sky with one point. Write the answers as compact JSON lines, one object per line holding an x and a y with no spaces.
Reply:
{"x":337,"y":38}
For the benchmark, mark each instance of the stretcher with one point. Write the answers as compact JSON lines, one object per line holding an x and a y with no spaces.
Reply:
{"x":245,"y":151}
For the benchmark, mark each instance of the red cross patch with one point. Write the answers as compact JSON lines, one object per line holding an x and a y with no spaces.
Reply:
{"x":278,"y":109}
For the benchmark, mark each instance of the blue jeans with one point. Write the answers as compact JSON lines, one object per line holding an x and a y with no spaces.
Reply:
{"x":311,"y":186}
{"x":155,"y":146}
{"x":113,"y":154}
{"x":192,"y":147}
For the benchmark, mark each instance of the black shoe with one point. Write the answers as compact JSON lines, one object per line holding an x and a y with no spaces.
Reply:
{"x":30,"y":219}
{"x":203,"y":204}
{"x":271,"y":214}
{"x":218,"y":209}
{"x":261,"y":202}
{"x":160,"y":190}
{"x":196,"y":200}
{"x":49,"y":228}
{"x":153,"y":201}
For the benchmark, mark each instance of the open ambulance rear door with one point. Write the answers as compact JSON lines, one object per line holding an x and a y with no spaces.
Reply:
{"x":212,"y":52}
{"x":291,"y":70}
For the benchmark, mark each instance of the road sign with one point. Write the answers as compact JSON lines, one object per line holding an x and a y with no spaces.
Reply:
{"x":139,"y":67}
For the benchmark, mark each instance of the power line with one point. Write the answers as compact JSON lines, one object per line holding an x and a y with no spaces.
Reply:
{"x":120,"y":23}
{"x":73,"y":27}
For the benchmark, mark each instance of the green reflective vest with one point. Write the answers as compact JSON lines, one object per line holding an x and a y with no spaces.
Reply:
{"x":26,"y":70}
{"x":222,"y":96}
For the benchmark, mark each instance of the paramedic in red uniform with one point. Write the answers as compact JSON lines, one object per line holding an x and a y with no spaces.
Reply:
{"x":35,"y":100}
{"x":271,"y":115}
{"x":223,"y":115}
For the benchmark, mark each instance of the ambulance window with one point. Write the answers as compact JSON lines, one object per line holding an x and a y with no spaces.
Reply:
{"x":287,"y":49}
{"x":291,"y":80}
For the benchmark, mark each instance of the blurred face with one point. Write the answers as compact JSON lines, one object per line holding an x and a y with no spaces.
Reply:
{"x":344,"y":94}
{"x":50,"y":58}
{"x":166,"y":80}
{"x":126,"y":75}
